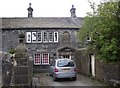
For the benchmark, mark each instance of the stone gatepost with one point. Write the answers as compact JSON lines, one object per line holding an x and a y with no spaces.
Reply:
{"x":22,"y":69}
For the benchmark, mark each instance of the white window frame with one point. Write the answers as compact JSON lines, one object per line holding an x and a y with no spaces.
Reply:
{"x":51,"y":38}
{"x":45,"y":39}
{"x":37,"y":58}
{"x":34,"y":37}
{"x":44,"y":58}
{"x":38,"y":37}
{"x":28,"y":40}
{"x":55,"y":39}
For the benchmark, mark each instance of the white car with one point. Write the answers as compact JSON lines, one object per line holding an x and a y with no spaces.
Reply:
{"x":63,"y":68}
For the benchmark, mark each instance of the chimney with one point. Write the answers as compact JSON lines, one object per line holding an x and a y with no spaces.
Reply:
{"x":73,"y":14}
{"x":30,"y":11}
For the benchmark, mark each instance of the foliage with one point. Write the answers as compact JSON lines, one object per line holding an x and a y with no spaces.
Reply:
{"x":88,"y":25}
{"x":104,"y":28}
{"x":11,"y":50}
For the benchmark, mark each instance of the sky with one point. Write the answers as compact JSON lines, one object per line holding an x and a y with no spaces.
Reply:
{"x":44,"y":8}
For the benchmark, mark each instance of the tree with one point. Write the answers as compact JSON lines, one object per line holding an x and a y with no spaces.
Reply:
{"x":89,"y":23}
{"x":104,"y":28}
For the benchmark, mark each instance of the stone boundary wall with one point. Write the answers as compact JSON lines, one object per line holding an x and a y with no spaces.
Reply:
{"x":103,"y":71}
{"x":81,"y":62}
{"x":107,"y":71}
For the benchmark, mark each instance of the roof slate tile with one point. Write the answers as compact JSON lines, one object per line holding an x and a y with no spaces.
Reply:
{"x":42,"y":22}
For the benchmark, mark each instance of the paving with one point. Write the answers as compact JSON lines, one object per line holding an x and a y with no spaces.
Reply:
{"x":43,"y":79}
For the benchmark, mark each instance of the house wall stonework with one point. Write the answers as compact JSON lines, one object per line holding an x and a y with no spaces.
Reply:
{"x":10,"y":40}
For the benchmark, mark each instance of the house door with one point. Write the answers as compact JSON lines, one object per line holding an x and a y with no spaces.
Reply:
{"x":92,"y":65}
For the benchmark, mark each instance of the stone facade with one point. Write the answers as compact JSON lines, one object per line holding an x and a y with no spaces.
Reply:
{"x":10,"y":39}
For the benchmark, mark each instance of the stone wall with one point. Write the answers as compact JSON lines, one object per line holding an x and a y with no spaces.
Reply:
{"x":103,"y":71}
{"x":82,"y":62}
{"x":107,"y":71}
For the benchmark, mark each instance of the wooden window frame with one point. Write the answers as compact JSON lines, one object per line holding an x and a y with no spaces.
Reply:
{"x":28,"y":41}
{"x":51,"y":37}
{"x":55,"y":34}
{"x":34,"y":37}
{"x":45,"y":37}
{"x":39,"y":36}
{"x":36,"y":57}
{"x":45,"y":58}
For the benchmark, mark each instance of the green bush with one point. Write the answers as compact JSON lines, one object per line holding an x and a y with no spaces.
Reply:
{"x":11,"y":50}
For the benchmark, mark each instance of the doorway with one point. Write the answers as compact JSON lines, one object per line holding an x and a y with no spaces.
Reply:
{"x":66,"y":52}
{"x":92,"y":65}
{"x":67,"y":56}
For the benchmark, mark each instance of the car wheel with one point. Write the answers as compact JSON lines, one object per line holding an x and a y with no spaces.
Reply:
{"x":74,"y":78}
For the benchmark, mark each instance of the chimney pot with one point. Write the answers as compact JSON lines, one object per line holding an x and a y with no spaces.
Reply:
{"x":30,"y":11}
{"x":73,"y":13}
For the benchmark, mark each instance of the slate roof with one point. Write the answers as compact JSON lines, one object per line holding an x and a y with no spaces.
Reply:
{"x":42,"y":22}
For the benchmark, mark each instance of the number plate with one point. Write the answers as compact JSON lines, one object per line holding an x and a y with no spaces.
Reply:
{"x":66,"y":69}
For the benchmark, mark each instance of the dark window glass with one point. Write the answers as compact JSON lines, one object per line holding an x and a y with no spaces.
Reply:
{"x":65,"y":63}
{"x":45,"y":37}
{"x":50,"y":37}
{"x":39,"y":37}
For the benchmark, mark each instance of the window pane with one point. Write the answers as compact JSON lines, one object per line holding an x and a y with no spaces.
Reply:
{"x":39,"y":37}
{"x":45,"y":36}
{"x":50,"y":37}
{"x":37,"y":59}
{"x":33,"y":37}
{"x":45,"y":58}
{"x":55,"y":36}
{"x":28,"y":37}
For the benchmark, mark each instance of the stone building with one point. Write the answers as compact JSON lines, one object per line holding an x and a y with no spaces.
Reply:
{"x":45,"y":37}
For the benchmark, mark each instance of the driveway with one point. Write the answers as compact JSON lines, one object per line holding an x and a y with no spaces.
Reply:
{"x":45,"y":80}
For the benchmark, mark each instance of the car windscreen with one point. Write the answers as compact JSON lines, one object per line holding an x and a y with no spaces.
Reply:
{"x":65,"y":63}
